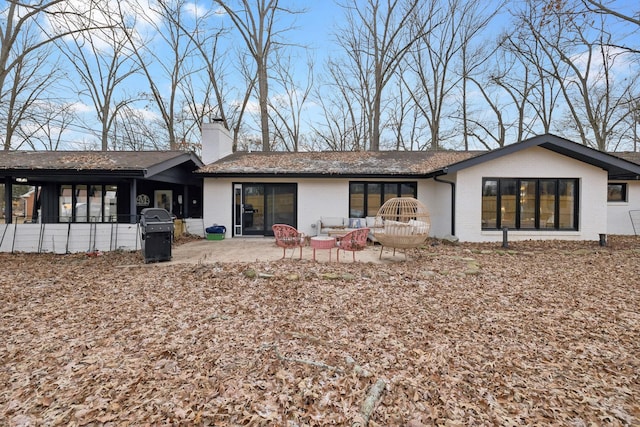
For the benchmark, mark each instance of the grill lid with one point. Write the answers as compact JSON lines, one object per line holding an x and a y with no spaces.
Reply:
{"x":155,"y":220}
{"x":156,"y":215}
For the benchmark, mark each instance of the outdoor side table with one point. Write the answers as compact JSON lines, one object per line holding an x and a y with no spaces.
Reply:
{"x":322,"y":242}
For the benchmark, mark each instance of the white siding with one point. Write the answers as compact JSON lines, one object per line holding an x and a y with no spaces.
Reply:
{"x":535,"y":162}
{"x":217,"y":203}
{"x":330,"y":197}
{"x":321,"y":197}
{"x":316,"y":197}
{"x":618,"y":219}
{"x":437,"y":198}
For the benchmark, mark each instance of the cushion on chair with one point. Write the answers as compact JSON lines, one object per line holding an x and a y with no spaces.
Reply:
{"x":371,"y":221}
{"x":332,"y":221}
{"x":419,"y":227}
{"x":357,"y":223}
{"x":397,"y":228}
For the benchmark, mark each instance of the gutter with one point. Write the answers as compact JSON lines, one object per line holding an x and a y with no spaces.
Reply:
{"x":453,"y":198}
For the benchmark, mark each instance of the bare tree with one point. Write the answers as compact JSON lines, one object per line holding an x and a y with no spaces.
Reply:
{"x":26,"y":86}
{"x":473,"y":56}
{"x":103,"y":62}
{"x":164,"y":72}
{"x":488,"y":131}
{"x":520,"y":73}
{"x":590,"y":73}
{"x":633,"y":18}
{"x":221,"y":106}
{"x":53,"y":121}
{"x":435,"y":62}
{"x":405,"y":121}
{"x":134,"y":130}
{"x":240,"y":110}
{"x":212,"y":98}
{"x":345,"y":108}
{"x":517,"y":82}
{"x":634,"y":121}
{"x":23,"y":67}
{"x":375,"y":40}
{"x":256,"y":21}
{"x":285,"y":109}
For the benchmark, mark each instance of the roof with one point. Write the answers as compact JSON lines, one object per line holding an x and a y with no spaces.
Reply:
{"x":120,"y":163}
{"x":618,"y":165}
{"x":630,"y":156}
{"x":334,"y":163}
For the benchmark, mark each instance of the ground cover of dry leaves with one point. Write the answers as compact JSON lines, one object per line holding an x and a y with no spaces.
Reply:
{"x":544,"y":333}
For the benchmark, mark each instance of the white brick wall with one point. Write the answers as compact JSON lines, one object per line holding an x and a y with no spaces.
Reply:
{"x":535,"y":162}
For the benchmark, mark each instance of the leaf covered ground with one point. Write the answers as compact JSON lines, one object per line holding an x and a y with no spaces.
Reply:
{"x":540,"y":333}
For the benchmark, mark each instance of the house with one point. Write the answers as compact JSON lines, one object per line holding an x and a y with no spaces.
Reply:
{"x":545,"y":187}
{"x":28,"y":201}
{"x":104,"y":187}
{"x":87,"y":200}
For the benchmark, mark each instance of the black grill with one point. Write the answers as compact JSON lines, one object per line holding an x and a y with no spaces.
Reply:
{"x":157,"y":234}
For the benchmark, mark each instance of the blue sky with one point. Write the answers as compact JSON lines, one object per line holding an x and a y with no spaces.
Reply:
{"x":316,"y":29}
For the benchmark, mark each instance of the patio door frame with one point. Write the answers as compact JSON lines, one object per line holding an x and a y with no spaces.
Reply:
{"x":238,"y":208}
{"x":239,"y":205}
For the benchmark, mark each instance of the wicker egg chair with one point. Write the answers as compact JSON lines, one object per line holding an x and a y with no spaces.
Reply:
{"x":402,"y":223}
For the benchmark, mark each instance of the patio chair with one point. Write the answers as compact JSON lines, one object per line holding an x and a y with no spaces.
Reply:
{"x":287,"y":237}
{"x":353,"y":241}
{"x":402,"y":223}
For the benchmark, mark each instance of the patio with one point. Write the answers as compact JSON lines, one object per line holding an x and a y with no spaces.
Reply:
{"x":251,"y":249}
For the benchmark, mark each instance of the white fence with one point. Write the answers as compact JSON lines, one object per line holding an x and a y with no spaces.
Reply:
{"x":75,"y":237}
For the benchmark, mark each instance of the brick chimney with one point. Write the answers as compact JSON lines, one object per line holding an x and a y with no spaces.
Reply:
{"x":216,"y":141}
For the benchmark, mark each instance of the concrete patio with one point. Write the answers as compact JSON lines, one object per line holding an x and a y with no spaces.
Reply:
{"x":252,"y":249}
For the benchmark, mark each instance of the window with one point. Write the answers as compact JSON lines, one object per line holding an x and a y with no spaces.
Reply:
{"x":366,"y":198}
{"x":529,"y":204}
{"x":88,"y":203}
{"x":617,"y":192}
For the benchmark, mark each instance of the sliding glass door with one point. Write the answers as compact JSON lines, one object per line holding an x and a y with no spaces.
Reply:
{"x":260,"y":205}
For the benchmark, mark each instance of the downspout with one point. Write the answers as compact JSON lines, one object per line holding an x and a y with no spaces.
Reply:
{"x":453,"y":199}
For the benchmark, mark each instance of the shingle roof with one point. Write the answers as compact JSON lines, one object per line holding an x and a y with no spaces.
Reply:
{"x":341,"y":163}
{"x":614,"y":163}
{"x":85,"y":160}
{"x":629,"y":156}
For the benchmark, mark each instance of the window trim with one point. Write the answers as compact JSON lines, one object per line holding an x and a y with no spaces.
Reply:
{"x":73,"y":217}
{"x":382,"y":184}
{"x":624,"y":192}
{"x":537,"y":220}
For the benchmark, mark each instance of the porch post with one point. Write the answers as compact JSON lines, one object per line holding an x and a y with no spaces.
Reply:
{"x":8,"y":199}
{"x":133,"y":195}
{"x":185,"y":201}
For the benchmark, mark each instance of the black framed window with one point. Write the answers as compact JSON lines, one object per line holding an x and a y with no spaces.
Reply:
{"x":87,"y":203}
{"x":366,"y":198}
{"x":617,"y":192}
{"x":530,"y":203}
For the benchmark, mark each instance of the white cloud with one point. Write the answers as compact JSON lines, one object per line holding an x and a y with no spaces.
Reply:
{"x":148,"y":115}
{"x":82,"y":108}
{"x":195,"y":10}
{"x":252,"y":107}
{"x":619,"y":63}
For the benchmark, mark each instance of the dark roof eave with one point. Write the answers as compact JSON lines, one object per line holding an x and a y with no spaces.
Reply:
{"x":308,"y":175}
{"x":137,"y":173}
{"x":616,"y":166}
{"x":175,"y":161}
